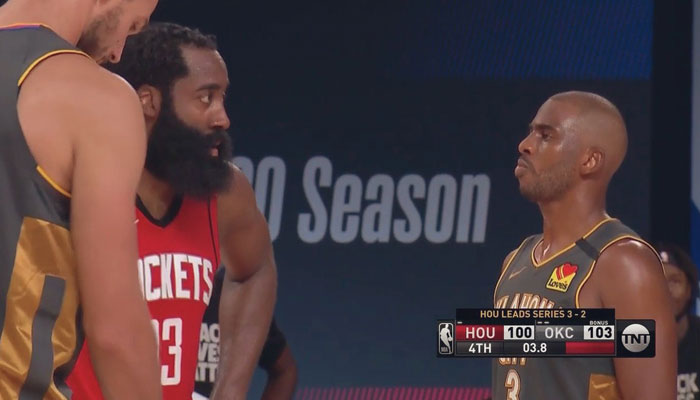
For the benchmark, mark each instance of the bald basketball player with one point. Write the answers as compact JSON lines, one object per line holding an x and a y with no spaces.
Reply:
{"x":73,"y":146}
{"x":583,"y":259}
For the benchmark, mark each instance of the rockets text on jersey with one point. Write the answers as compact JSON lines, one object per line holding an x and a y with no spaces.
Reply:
{"x":176,"y":276}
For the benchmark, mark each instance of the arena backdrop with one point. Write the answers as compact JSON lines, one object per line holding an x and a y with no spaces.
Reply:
{"x":381,"y":141}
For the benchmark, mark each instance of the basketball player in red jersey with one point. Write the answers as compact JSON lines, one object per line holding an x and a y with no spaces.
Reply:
{"x":73,"y":144}
{"x":191,"y":200}
{"x":575,"y":144}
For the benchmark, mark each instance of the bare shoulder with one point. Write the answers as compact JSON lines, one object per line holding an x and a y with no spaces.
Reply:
{"x":237,"y":203}
{"x":243,"y":234}
{"x":68,"y":105}
{"x":74,"y":72}
{"x":629,"y":257}
{"x":624,"y":270}
{"x":239,"y":187}
{"x":70,"y":89}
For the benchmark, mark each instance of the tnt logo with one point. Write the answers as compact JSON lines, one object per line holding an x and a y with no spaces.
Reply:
{"x":637,"y":338}
{"x":446,"y":332}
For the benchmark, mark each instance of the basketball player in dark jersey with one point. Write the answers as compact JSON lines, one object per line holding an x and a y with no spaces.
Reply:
{"x":73,"y":145}
{"x":194,"y":201}
{"x":584,"y":258}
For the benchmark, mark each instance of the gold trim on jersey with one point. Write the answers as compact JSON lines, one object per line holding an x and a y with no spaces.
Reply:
{"x":503,"y":272}
{"x":610,"y":243}
{"x":44,"y":57}
{"x":567,"y":248}
{"x":27,"y":24}
{"x":21,"y":79}
{"x":19,"y":83}
{"x":43,"y":249}
{"x":602,"y":387}
{"x":51,"y":182}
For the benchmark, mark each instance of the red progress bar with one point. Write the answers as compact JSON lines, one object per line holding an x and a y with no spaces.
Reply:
{"x":590,"y":348}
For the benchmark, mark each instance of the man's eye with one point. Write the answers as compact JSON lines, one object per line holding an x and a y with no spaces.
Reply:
{"x":206,"y":99}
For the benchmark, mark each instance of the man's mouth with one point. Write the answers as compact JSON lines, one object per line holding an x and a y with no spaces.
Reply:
{"x":214,"y":151}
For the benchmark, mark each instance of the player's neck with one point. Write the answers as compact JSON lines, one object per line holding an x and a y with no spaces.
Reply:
{"x":155,"y":194}
{"x":68,"y":25}
{"x":566,"y":221}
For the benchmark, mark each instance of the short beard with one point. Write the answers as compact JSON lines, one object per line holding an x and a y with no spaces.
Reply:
{"x":180,"y":156}
{"x":549,"y":185}
{"x":91,"y":40}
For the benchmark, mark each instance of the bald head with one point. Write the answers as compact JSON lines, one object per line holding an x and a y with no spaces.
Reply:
{"x":597,"y":125}
{"x":576,"y":141}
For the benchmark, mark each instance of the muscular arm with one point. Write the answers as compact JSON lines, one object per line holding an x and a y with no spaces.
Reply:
{"x":108,"y":163}
{"x":631,"y":280}
{"x":249,"y":290}
{"x":281,"y":378}
{"x":98,"y":142}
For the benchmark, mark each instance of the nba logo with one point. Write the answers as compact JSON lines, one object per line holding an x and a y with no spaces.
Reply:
{"x":446,"y":332}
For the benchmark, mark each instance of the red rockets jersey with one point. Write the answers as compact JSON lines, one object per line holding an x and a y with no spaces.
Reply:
{"x":178,"y":256}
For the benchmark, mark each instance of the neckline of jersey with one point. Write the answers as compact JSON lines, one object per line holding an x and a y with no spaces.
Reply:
{"x":569,"y":247}
{"x":170,"y":214}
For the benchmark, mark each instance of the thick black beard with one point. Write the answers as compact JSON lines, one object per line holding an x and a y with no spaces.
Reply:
{"x":180,"y":155}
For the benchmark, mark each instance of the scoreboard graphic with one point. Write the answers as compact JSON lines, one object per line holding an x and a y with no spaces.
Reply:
{"x":544,"y":333}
